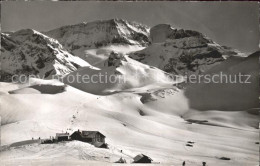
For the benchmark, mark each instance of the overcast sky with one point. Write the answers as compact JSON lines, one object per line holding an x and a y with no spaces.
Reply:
{"x":233,"y":24}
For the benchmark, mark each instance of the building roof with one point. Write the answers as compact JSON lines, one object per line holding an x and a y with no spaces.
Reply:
{"x":62,"y":134}
{"x":140,"y":156}
{"x":89,"y":134}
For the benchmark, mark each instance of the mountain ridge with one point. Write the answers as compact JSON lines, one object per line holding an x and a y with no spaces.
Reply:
{"x":100,"y":33}
{"x":31,"y":52}
{"x":65,"y":49}
{"x":182,"y":51}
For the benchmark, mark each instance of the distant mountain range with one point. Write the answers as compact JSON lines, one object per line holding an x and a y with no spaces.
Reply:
{"x":65,"y":49}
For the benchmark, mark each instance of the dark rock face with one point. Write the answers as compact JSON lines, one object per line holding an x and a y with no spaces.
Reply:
{"x":115,"y":59}
{"x":162,"y":32}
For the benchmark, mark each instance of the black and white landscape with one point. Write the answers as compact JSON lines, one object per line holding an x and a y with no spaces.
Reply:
{"x":131,"y":83}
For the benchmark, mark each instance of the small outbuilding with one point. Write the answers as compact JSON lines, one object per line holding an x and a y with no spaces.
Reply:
{"x":62,"y":137}
{"x":141,"y":158}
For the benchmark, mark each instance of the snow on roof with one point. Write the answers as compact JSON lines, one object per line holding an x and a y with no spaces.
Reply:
{"x":62,"y":134}
{"x":140,"y":156}
{"x":90,"y":133}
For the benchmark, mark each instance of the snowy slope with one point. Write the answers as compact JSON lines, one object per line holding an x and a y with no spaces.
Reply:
{"x":84,"y":36}
{"x":150,"y":119}
{"x":128,"y":124}
{"x":233,"y":93}
{"x":30,"y":52}
{"x":118,"y":73}
{"x":182,"y":51}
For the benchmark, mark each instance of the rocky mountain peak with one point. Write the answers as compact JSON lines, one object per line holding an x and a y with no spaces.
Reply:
{"x":182,"y":51}
{"x":31,"y":35}
{"x":30,"y":52}
{"x":101,"y":33}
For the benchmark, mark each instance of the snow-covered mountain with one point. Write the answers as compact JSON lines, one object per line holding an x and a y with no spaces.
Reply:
{"x":30,"y":52}
{"x":85,"y":36}
{"x":131,"y":98}
{"x":182,"y":51}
